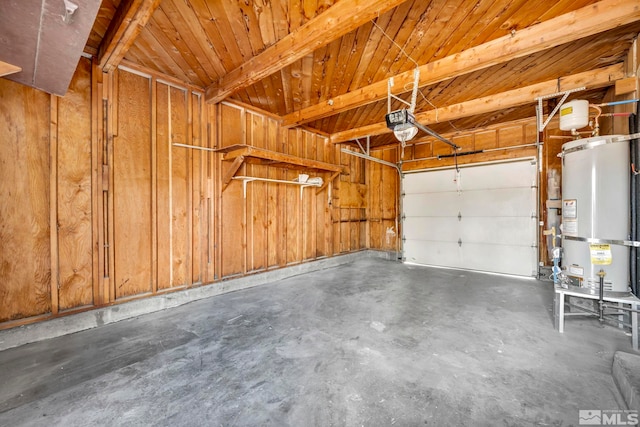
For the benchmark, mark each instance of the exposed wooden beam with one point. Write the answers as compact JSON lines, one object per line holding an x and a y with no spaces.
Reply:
{"x":589,"y":20}
{"x":129,"y":20}
{"x":625,"y":86}
{"x":6,"y":69}
{"x":489,"y":156}
{"x":593,"y":79}
{"x":340,"y":19}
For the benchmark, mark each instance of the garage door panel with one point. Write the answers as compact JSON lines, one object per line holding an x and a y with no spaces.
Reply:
{"x":504,"y":202}
{"x":506,"y":231}
{"x":433,"y":253}
{"x":438,"y":228}
{"x":497,"y":259}
{"x":506,"y":259}
{"x":432,"y":204}
{"x":495,"y":228}
{"x":516,"y":174}
{"x":425,"y":183}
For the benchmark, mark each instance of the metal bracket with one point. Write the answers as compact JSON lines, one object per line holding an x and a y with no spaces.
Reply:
{"x":565,"y":94}
{"x":368,"y":145}
{"x":595,"y":241}
{"x":600,"y":140}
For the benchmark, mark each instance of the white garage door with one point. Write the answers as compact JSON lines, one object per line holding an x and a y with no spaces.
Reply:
{"x":487,"y":222}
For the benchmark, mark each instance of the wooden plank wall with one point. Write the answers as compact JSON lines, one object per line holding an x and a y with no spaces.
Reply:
{"x":273,"y":226}
{"x":383,"y":208}
{"x":135,"y":215}
{"x":131,"y":212}
{"x":350,"y":202}
{"x":25,"y":251}
{"x":131,"y":175}
{"x":159,"y":190}
{"x":230,"y":207}
{"x":74,"y":192}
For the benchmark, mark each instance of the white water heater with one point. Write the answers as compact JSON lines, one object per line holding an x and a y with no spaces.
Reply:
{"x":595,"y":213}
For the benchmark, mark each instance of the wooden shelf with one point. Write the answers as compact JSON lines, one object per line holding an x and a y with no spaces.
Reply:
{"x":6,"y":69}
{"x":240,"y":154}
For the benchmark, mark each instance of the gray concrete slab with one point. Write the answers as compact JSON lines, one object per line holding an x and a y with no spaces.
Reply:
{"x":64,"y":325}
{"x":371,"y":343}
{"x":626,"y":373}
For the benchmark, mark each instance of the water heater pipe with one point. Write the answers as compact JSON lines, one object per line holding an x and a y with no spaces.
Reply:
{"x":616,"y":114}
{"x":628,"y":101}
{"x":596,"y":128}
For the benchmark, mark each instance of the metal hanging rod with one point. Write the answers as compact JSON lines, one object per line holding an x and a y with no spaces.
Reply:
{"x":371,"y":158}
{"x":195,"y":147}
{"x":247,"y":179}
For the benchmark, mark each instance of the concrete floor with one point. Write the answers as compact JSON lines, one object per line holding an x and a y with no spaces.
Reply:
{"x":371,"y":343}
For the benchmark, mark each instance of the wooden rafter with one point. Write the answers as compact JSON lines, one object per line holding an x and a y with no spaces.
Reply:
{"x":593,"y":79}
{"x":589,"y":20}
{"x":340,"y":19}
{"x":129,"y":20}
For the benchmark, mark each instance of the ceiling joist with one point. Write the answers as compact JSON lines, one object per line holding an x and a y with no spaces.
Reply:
{"x":589,"y":20}
{"x":129,"y":20}
{"x":593,"y":79}
{"x":340,"y":19}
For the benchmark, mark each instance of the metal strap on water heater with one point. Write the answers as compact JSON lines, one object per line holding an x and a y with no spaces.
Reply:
{"x":602,"y":141}
{"x":604,"y":241}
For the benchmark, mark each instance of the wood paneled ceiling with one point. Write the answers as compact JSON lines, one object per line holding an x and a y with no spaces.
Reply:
{"x":325,"y":63}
